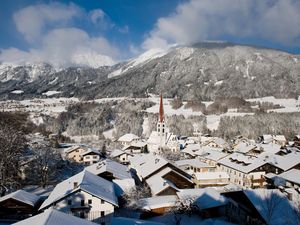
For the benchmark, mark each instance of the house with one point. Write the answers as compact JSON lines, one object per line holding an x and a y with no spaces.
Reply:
{"x":275,"y":139}
{"x":90,"y":156}
{"x":216,"y":142}
{"x":189,"y":150}
{"x":136,"y":147}
{"x":147,"y":165}
{"x":207,"y":201}
{"x":131,"y":221}
{"x":168,"y":181}
{"x":244,"y":147}
{"x":162,"y":139}
{"x":158,"y":204}
{"x":288,"y":179}
{"x":19,"y":205}
{"x":85,"y":195}
{"x":210,"y":155}
{"x":113,"y":171}
{"x":194,"y":165}
{"x":74,"y":152}
{"x":247,"y":171}
{"x":128,"y":139}
{"x":210,"y":179}
{"x":260,"y":206}
{"x":121,"y":156}
{"x":54,"y":217}
{"x":110,"y":170}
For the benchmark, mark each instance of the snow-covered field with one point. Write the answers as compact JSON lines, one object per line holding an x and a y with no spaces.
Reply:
{"x":54,"y":106}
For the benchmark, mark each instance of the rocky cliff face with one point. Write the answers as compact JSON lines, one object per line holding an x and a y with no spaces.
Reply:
{"x":201,"y":71}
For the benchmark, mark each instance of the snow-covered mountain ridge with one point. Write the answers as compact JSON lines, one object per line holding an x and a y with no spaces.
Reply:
{"x":199,"y":71}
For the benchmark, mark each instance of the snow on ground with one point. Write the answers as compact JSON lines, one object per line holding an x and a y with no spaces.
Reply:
{"x":17,"y":92}
{"x":50,"y":93}
{"x":168,"y":110}
{"x":49,"y":106}
{"x":109,"y":134}
{"x":146,"y":128}
{"x":290,"y":105}
{"x":218,"y":83}
{"x":83,"y":138}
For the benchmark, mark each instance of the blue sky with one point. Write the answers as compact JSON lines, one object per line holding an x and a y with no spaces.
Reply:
{"x":120,"y":29}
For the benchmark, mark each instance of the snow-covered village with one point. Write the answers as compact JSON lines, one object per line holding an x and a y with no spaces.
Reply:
{"x":161,"y":112}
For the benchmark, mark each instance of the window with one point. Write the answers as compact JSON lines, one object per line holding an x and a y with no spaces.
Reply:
{"x":81,"y":215}
{"x":87,"y":157}
{"x":69,"y":202}
{"x":82,"y":202}
{"x":90,"y":201}
{"x":102,"y":213}
{"x":102,"y":201}
{"x":95,"y":157}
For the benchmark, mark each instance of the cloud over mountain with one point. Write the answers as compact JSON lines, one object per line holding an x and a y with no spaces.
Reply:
{"x":196,"y":20}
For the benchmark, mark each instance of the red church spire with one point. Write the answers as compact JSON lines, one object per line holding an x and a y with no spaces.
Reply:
{"x":161,"y":110}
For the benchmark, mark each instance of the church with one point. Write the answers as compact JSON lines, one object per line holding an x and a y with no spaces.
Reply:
{"x":162,"y":139}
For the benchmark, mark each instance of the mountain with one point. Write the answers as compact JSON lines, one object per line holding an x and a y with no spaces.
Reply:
{"x":199,"y":71}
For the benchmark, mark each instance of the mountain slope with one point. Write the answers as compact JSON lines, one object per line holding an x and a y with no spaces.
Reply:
{"x":201,"y":71}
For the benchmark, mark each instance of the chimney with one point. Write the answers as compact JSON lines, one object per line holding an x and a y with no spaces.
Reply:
{"x":75,"y":185}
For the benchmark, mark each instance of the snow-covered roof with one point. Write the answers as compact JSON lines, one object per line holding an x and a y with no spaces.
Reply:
{"x":204,"y":198}
{"x":292,"y":175}
{"x":147,"y":164}
{"x":241,"y":162}
{"x":87,"y":182}
{"x":22,"y":196}
{"x":211,"y":175}
{"x":158,"y":202}
{"x":244,"y":147}
{"x":269,"y":148}
{"x":73,"y":148}
{"x":116,"y":153}
{"x":91,"y":151}
{"x":220,"y":141}
{"x":272,"y":205}
{"x":157,"y":183}
{"x":131,"y":221}
{"x":285,"y":162}
{"x":118,"y":170}
{"x":54,"y":217}
{"x":124,"y":186}
{"x":192,"y":162}
{"x":193,"y":147}
{"x":211,"y":154}
{"x":137,"y":144}
{"x":128,"y":138}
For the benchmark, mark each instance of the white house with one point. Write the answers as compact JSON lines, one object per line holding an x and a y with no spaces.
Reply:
{"x":85,"y":195}
{"x":90,"y":156}
{"x":121,"y":156}
{"x":128,"y":139}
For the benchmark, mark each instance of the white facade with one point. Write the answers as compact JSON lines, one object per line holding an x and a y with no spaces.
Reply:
{"x":90,"y":159}
{"x":86,"y":206}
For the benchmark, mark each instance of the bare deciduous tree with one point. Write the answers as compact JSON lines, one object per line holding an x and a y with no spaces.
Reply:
{"x":12,"y":143}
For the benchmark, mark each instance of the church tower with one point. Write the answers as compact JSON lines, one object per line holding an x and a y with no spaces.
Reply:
{"x":161,"y":126}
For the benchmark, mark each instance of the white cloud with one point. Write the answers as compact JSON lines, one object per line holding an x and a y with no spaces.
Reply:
{"x":64,"y":47}
{"x":47,"y":28}
{"x":197,"y":20}
{"x":31,"y":21}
